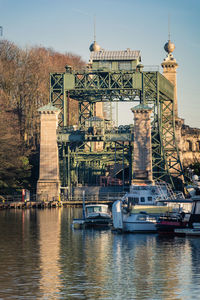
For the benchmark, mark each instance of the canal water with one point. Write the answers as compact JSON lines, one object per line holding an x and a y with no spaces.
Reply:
{"x":42,"y":257}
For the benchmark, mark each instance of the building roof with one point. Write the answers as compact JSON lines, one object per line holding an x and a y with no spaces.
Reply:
{"x":115,"y":55}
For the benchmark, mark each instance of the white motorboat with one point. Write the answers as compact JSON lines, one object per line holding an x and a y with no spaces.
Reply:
{"x":139,"y":209}
{"x":139,"y":222}
{"x":94,"y":215}
{"x":97,"y":215}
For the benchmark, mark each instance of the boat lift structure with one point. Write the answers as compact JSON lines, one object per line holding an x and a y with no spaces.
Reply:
{"x":82,"y":163}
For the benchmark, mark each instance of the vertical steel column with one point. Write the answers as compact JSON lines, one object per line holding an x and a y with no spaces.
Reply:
{"x":142,"y":98}
{"x":65,"y":119}
{"x":68,"y":169}
{"x":130,"y":162}
{"x":68,"y":102}
{"x":123,"y":166}
{"x":64,"y":164}
{"x":115,"y":159}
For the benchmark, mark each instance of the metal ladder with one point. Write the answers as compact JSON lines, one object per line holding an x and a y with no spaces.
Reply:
{"x":171,"y":195}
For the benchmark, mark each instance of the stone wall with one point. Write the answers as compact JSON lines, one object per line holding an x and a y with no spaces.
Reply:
{"x":188,"y":139}
{"x":190,"y":145}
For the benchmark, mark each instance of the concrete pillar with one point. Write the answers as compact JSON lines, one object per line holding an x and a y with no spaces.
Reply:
{"x":48,"y":185}
{"x":142,"y":150}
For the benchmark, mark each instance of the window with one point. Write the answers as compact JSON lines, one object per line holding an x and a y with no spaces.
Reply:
{"x":188,"y":145}
{"x":136,"y":200}
{"x":97,"y":209}
{"x":133,"y":200}
{"x":104,"y":209}
{"x":125,"y":65}
{"x":105,"y":65}
{"x":142,"y":199}
{"x":93,"y":209}
{"x":90,"y":209}
{"x":149,"y":198}
{"x":198,"y":146}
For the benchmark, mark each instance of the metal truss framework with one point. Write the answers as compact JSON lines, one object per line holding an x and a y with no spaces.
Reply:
{"x":89,"y":87}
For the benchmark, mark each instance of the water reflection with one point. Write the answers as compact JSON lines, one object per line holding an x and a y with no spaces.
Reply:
{"x":49,"y":223}
{"x":18,"y":254}
{"x":41,"y":257}
{"x":84,"y":276}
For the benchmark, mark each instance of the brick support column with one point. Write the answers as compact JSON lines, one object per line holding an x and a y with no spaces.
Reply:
{"x":48,"y":185}
{"x":142,"y":150}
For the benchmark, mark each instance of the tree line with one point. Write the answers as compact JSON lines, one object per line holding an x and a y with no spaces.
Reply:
{"x":24,"y":87}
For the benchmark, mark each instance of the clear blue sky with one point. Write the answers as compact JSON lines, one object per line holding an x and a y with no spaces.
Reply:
{"x":67,"y":26}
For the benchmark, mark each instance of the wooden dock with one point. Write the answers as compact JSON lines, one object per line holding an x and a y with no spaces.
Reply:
{"x":24,"y":205}
{"x":46,"y":204}
{"x":13,"y":202}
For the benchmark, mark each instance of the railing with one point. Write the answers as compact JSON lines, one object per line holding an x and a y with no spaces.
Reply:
{"x":97,"y":198}
{"x":151,"y":68}
{"x":15,"y":198}
{"x":109,"y":197}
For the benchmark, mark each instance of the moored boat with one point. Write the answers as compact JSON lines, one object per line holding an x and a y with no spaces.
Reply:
{"x":167,"y":223}
{"x":94,"y":215}
{"x":97,"y":215}
{"x":193,"y":227}
{"x":140,"y":222}
{"x":139,"y":210}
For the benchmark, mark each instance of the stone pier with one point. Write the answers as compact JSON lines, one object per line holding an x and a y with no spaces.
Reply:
{"x":48,"y":185}
{"x":142,"y":160}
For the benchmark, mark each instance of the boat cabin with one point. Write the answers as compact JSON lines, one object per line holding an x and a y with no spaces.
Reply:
{"x":97,"y":215}
{"x":145,"y":194}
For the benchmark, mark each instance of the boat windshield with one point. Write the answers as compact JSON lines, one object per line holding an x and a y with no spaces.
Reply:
{"x":96,"y":209}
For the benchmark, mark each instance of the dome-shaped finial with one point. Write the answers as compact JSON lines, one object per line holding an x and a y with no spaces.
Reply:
{"x":169,"y":47}
{"x":94,"y":47}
